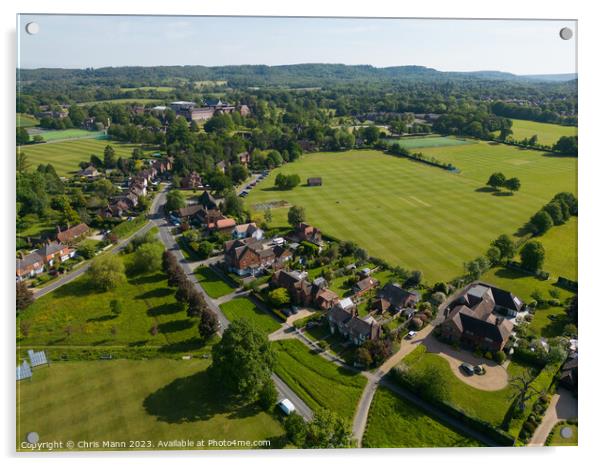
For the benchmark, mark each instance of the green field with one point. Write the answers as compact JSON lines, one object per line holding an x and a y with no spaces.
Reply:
{"x":547,"y":133}
{"x":243,"y":308}
{"x":26,"y":121}
{"x":119,"y":401}
{"x":415,"y":215}
{"x":560,"y":244}
{"x":419,"y":142}
{"x":490,"y":406}
{"x":66,"y":156}
{"x":396,"y":423}
{"x":148,"y":88}
{"x":212,"y":283}
{"x":66,"y":134}
{"x":317,"y":381}
{"x":78,"y":315}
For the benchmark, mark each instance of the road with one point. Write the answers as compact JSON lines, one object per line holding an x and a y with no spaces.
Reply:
{"x":64,"y":279}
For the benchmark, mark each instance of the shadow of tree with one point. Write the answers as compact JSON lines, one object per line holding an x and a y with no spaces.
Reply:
{"x":175,"y":325}
{"x":503,"y":193}
{"x":193,"y":398}
{"x":102,"y":318}
{"x":192,"y":344}
{"x":147,"y":279}
{"x":156,"y":293}
{"x":485,"y":189}
{"x":138,"y":343}
{"x":164,"y":309}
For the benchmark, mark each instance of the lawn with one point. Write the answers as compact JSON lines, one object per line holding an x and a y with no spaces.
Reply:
{"x":121,"y":400}
{"x":560,"y":244}
{"x":556,"y":440}
{"x":78,"y":315}
{"x":243,"y":308}
{"x":419,"y":142}
{"x":547,"y":133}
{"x":418,"y":216}
{"x":26,"y":121}
{"x":212,"y":283}
{"x":66,"y":134}
{"x":490,"y":406}
{"x":317,"y":381}
{"x":65,"y":156}
{"x":395,"y":423}
{"x":549,"y":322}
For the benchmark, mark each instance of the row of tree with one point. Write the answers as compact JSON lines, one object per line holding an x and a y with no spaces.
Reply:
{"x":556,"y":212}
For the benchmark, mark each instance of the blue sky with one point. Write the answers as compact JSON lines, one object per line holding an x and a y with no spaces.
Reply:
{"x":521,"y":47}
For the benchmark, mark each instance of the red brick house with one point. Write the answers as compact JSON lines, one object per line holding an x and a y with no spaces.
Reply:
{"x":191,"y":181}
{"x":71,"y":235}
{"x":303,"y":292}
{"x":49,"y":254}
{"x":306,"y":232}
{"x":248,"y":256}
{"x":363,"y":286}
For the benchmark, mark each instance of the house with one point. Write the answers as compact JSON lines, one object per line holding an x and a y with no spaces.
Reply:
{"x":343,"y":319}
{"x":244,"y":110}
{"x":244,"y":158}
{"x":223,"y":225}
{"x":191,"y":181}
{"x":208,"y":201}
{"x":248,"y":256}
{"x":247,"y":230}
{"x":33,"y":263}
{"x":315,"y":181}
{"x":71,"y":235}
{"x":569,"y":372}
{"x":303,"y":292}
{"x":471,"y":319}
{"x":116,"y":209}
{"x":305,"y":232}
{"x":365,"y":285}
{"x":89,"y":172}
{"x":189,"y":212}
{"x":138,"y":189}
{"x":397,"y":297}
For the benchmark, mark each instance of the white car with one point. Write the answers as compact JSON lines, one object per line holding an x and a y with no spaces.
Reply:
{"x":411,"y":334}
{"x":286,"y":406}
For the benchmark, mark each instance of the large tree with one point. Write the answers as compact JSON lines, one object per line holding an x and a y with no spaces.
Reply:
{"x":242,"y":361}
{"x":209,"y":324}
{"x":506,"y":246}
{"x":24,"y":296}
{"x":327,"y":430}
{"x":532,"y":256}
{"x":296,"y":215}
{"x":106,"y":272}
{"x":147,"y":257}
{"x":496,"y":180}
{"x":541,"y":222}
{"x":174,"y":200}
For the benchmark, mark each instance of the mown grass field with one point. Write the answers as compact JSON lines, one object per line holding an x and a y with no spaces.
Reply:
{"x":320,"y":383}
{"x":26,"y":121}
{"x":547,"y":133}
{"x":414,"y":215}
{"x":418,"y":142}
{"x":66,"y":134}
{"x":121,"y":400}
{"x":243,"y":308}
{"x":560,"y":244}
{"x":396,"y":423}
{"x":490,"y":406}
{"x":66,"y":156}
{"x":212,"y":283}
{"x":78,"y":315}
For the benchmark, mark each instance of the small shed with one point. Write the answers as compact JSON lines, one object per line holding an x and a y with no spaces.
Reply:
{"x":314,"y":181}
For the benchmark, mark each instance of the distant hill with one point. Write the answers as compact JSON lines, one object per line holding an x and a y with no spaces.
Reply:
{"x":552,"y":77}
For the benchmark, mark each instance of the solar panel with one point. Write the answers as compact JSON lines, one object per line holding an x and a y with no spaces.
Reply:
{"x":37,"y":358}
{"x":23,"y":371}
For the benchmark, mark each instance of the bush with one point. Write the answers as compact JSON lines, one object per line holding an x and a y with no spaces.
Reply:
{"x":416,"y":323}
{"x":268,"y":396}
{"x":488,"y":355}
{"x":500,"y":357}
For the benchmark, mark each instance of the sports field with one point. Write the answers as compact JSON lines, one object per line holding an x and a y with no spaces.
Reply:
{"x":121,"y":400}
{"x":65,"y":156}
{"x":547,"y":133}
{"x":560,"y":243}
{"x":415,"y":215}
{"x":65,"y":134}
{"x":419,"y":142}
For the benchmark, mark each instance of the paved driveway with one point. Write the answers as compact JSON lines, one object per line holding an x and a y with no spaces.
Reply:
{"x":495,"y":378}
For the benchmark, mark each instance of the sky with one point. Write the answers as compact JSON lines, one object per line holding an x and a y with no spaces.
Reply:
{"x":519,"y":47}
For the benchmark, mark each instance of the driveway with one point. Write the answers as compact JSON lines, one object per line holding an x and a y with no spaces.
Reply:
{"x":563,"y":406}
{"x":495,"y":378}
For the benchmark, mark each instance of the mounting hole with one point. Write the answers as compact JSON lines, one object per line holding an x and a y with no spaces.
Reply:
{"x":32,"y":28}
{"x":32,"y":438}
{"x":566,"y":33}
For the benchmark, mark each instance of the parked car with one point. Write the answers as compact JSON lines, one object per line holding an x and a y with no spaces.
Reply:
{"x":467,"y":368}
{"x":411,"y":334}
{"x":479,"y":370}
